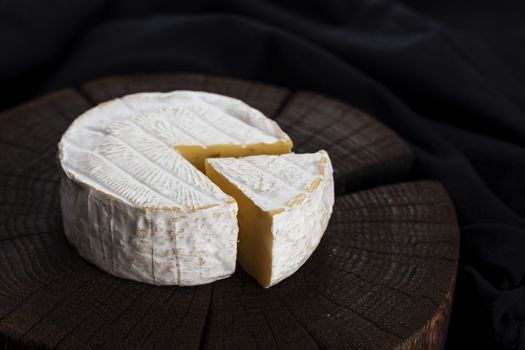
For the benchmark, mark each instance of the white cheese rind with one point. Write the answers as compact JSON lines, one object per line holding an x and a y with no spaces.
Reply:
{"x":133,"y":206}
{"x":274,"y":183}
{"x":298,"y":230}
{"x":161,"y":247}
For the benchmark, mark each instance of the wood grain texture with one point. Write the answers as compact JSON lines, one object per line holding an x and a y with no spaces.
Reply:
{"x":382,"y":278}
{"x":364,"y":152}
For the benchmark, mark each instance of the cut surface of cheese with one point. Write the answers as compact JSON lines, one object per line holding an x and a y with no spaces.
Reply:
{"x":133,"y":200}
{"x":285,"y":203}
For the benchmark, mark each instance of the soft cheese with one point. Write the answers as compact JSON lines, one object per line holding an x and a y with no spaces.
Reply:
{"x":133,"y":200}
{"x":285,"y":203}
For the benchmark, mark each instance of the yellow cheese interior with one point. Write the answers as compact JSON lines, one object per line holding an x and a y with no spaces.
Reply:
{"x":254,"y":250}
{"x":196,"y":155}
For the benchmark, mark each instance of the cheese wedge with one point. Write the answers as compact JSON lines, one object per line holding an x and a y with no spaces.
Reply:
{"x":285,"y":203}
{"x":133,"y":200}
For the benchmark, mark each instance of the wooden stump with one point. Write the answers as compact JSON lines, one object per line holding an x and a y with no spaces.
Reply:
{"x":382,"y":278}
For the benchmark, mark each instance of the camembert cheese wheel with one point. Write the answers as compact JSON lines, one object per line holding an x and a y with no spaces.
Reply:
{"x":133,"y":199}
{"x":285,"y":203}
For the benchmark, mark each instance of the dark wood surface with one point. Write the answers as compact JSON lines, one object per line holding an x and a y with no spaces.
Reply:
{"x":382,"y":278}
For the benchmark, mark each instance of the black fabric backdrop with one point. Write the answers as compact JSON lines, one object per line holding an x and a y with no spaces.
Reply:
{"x":457,"y":98}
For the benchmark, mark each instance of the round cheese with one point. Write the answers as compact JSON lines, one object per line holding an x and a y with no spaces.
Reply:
{"x":134,"y":201}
